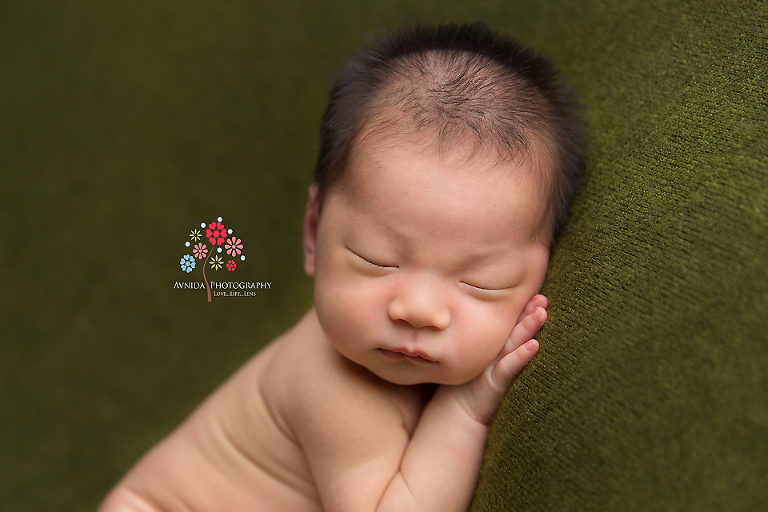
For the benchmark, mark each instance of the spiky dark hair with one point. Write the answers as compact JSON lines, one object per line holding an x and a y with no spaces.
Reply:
{"x":460,"y":82}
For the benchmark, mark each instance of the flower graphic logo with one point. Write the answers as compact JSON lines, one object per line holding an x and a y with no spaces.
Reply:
{"x":216,"y":235}
{"x":233,"y":246}
{"x":200,"y":251}
{"x":216,"y":262}
{"x":187,"y":263}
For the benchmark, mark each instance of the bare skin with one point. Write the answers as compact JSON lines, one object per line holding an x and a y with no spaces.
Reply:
{"x":423,"y":274}
{"x":237,"y":451}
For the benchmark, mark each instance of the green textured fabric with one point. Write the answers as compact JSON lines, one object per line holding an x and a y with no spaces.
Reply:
{"x":124,"y":125}
{"x":651,"y":389}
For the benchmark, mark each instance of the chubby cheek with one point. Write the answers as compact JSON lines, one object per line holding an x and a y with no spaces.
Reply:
{"x":345,"y":313}
{"x":480,"y":338}
{"x":467,"y":364}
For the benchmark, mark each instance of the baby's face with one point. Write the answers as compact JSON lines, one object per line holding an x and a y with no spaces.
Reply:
{"x":423,"y":265}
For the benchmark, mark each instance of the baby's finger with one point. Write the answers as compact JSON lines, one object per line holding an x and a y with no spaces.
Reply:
{"x":537,"y":301}
{"x":506,"y":369}
{"x":525,"y":330}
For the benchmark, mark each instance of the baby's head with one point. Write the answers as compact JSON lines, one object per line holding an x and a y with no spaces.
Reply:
{"x":459,"y":85}
{"x":448,"y":158}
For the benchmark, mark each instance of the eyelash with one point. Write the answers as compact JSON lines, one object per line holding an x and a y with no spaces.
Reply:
{"x":377,"y":265}
{"x":482,"y":289}
{"x":391,"y":267}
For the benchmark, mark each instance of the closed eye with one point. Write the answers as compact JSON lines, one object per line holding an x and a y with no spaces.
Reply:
{"x":371,"y":262}
{"x":485,"y":288}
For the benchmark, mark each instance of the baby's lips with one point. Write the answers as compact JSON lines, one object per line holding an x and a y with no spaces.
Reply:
{"x":413,"y":355}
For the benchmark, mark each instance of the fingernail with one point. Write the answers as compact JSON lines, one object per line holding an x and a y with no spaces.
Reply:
{"x":532,"y":346}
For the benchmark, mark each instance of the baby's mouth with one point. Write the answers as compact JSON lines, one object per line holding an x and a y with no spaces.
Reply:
{"x":397,"y":355}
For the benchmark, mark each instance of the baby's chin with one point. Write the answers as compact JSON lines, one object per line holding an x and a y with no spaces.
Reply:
{"x":403,"y":377}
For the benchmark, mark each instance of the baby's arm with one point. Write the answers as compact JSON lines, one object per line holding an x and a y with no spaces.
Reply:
{"x":377,"y":467}
{"x":442,"y":462}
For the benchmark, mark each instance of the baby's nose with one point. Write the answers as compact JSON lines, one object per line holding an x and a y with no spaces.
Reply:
{"x":420,"y":305}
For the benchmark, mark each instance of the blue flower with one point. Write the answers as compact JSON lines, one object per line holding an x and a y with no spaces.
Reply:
{"x":187,"y":263}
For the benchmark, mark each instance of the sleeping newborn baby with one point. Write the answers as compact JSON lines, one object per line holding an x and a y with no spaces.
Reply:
{"x":448,"y":158}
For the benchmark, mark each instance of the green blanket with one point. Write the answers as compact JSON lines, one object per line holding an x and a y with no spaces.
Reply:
{"x":124,"y":125}
{"x":651,"y":390}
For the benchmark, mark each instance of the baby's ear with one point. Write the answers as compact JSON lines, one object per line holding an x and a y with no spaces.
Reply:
{"x":309,"y":238}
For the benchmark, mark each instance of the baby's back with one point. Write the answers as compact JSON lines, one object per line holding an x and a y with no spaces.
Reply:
{"x":239,"y":450}
{"x":231,"y":454}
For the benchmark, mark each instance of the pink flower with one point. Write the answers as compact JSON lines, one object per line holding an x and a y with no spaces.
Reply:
{"x":200,"y":251}
{"x":216,"y":233}
{"x":231,"y":266}
{"x":234,"y":246}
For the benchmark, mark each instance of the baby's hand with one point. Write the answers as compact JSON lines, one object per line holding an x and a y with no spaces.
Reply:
{"x":481,"y":396}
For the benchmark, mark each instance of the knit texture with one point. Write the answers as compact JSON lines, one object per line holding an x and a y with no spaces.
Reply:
{"x":651,"y":388}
